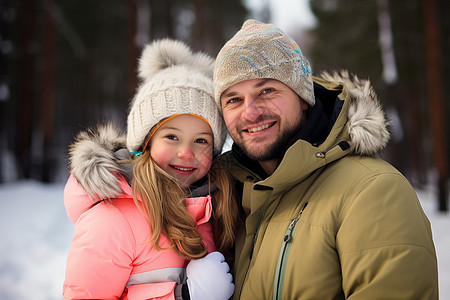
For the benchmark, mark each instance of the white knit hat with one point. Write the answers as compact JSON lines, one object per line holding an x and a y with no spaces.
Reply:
{"x":175,"y":80}
{"x":260,"y":50}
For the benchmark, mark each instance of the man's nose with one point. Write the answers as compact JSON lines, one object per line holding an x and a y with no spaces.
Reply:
{"x":252,"y":109}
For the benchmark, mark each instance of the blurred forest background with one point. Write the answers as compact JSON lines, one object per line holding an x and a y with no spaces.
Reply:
{"x":66,"y":65}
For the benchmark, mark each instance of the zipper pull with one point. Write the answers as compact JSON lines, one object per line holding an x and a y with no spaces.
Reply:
{"x":288,"y":235}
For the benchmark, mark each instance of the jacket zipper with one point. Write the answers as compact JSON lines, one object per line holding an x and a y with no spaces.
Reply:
{"x":255,"y":237}
{"x":283,"y":256}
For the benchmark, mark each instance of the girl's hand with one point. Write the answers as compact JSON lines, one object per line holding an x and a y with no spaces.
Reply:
{"x":209,"y":278}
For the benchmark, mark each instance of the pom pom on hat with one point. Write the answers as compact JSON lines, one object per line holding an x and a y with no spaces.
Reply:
{"x":175,"y":80}
{"x":163,"y":54}
{"x":260,"y":50}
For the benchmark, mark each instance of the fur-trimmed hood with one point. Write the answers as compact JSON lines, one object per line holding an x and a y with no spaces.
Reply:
{"x":93,"y":160}
{"x":367,"y":123}
{"x":94,"y":155}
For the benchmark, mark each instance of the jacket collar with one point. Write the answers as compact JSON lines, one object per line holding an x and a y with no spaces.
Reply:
{"x":77,"y":201}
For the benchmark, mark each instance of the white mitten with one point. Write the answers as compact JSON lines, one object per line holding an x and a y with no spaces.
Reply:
{"x":209,"y":278}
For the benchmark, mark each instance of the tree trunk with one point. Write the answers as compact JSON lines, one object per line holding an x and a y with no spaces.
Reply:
{"x":25,"y":93}
{"x":436,"y":96}
{"x":48,"y":96}
{"x":132,"y":48}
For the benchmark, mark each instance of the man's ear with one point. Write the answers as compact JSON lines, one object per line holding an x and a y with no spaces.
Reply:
{"x":303,"y":105}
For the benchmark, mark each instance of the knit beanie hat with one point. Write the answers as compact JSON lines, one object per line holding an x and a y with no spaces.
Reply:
{"x":260,"y":50}
{"x":175,"y":80}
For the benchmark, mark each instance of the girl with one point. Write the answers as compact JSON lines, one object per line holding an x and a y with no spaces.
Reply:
{"x":152,"y":209}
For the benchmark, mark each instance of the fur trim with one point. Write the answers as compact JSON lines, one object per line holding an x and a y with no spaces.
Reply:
{"x":163,"y":54}
{"x":367,"y":122}
{"x":92,"y":160}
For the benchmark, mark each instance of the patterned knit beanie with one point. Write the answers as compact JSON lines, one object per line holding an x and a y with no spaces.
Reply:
{"x":261,"y":50}
{"x":175,"y":80}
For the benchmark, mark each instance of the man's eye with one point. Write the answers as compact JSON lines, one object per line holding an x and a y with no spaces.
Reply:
{"x":268,"y":90}
{"x":233,"y":100}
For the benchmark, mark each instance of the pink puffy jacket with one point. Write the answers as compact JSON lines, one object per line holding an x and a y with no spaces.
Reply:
{"x":109,"y":257}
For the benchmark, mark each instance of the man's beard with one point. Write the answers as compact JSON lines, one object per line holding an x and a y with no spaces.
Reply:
{"x":275,"y":150}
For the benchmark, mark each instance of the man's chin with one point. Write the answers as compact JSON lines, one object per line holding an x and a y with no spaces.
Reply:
{"x":267,"y":148}
{"x":264,"y":152}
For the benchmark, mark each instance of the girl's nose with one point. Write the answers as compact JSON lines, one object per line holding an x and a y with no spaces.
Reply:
{"x":186,"y":153}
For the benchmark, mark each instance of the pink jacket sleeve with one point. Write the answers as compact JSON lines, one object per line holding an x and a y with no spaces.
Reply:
{"x":100,"y":256}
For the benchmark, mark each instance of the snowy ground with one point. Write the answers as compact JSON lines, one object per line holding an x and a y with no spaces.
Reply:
{"x":35,"y":234}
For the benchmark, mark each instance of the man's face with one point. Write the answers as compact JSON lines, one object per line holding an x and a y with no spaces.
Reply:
{"x":261,"y":116}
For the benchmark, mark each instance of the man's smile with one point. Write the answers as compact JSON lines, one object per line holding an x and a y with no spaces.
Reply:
{"x":259,"y":128}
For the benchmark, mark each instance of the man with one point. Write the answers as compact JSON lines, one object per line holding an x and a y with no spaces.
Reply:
{"x":324,"y":218}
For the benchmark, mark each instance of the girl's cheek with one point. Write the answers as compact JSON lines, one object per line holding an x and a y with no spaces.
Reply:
{"x":207,"y":161}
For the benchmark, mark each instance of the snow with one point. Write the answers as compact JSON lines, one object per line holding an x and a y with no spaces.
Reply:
{"x":35,"y":235}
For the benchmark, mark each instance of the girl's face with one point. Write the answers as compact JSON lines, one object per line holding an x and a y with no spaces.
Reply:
{"x":183,"y":147}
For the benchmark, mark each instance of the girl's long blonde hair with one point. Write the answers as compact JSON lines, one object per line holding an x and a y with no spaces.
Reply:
{"x":162,"y":200}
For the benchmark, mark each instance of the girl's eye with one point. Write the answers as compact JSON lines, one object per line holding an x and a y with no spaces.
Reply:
{"x":201,"y":141}
{"x":171,"y":137}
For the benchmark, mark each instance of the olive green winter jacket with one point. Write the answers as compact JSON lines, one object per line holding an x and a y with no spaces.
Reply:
{"x":333,"y":221}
